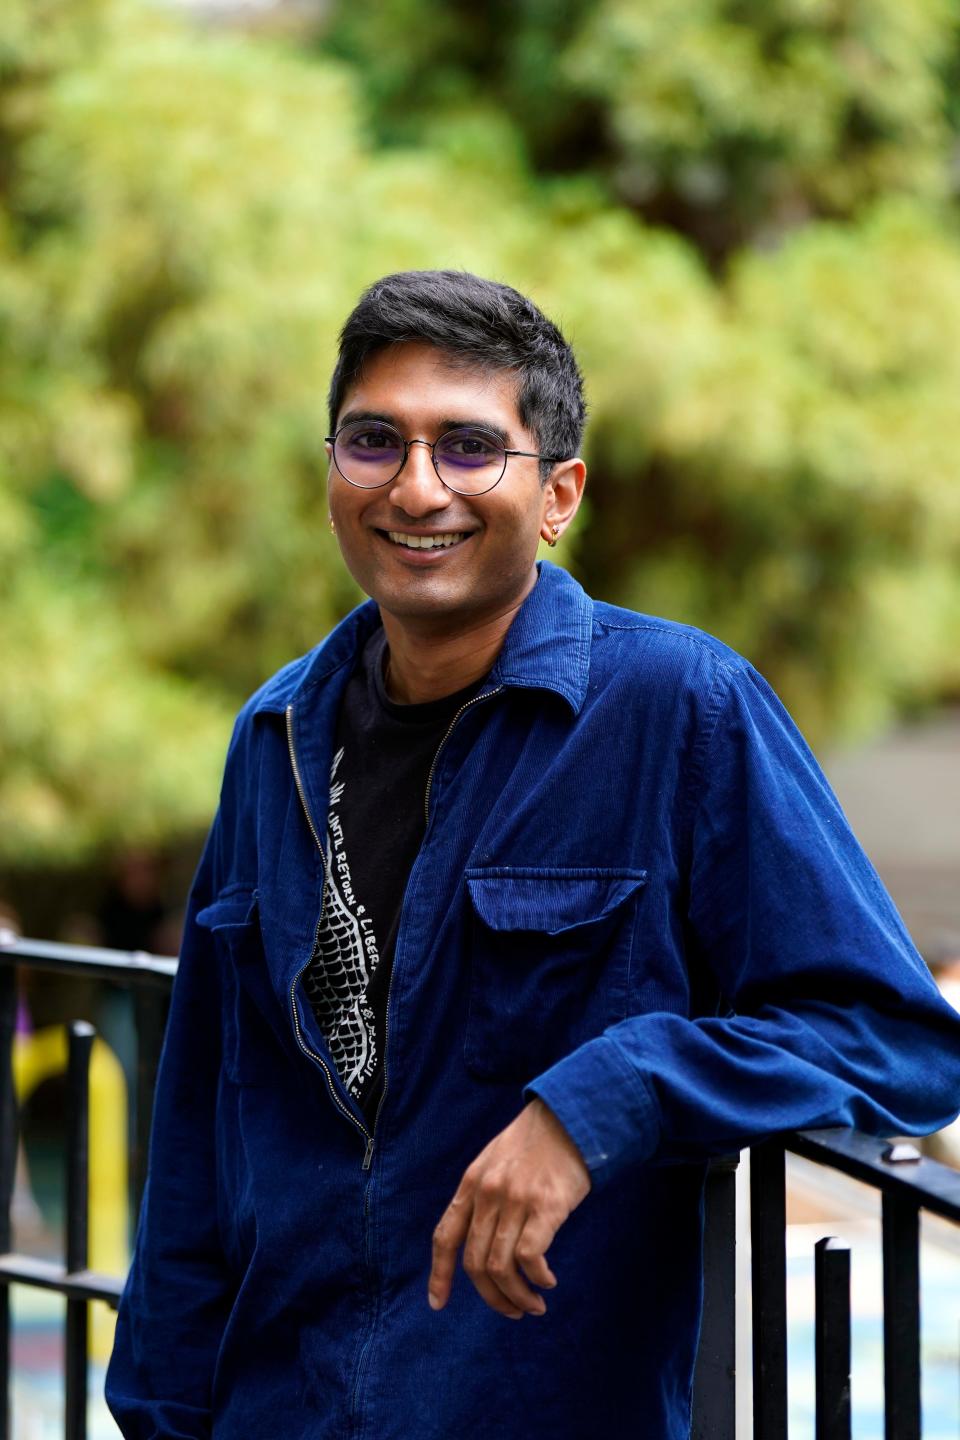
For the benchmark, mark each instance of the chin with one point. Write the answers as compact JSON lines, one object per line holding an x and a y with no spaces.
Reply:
{"x":421,"y":607}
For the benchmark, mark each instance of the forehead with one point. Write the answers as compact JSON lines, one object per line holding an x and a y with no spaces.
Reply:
{"x":421,"y":386}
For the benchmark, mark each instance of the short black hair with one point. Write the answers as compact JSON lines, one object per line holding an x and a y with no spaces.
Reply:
{"x":476,"y":322}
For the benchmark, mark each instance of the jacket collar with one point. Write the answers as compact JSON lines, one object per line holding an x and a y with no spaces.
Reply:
{"x":547,"y":646}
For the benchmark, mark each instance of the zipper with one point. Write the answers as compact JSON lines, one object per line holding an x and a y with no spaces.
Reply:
{"x":368,"y":1137}
{"x":367,"y":1134}
{"x":368,"y":1152}
{"x":364,"y":1351}
{"x":433,"y":764}
{"x":368,"y":1156}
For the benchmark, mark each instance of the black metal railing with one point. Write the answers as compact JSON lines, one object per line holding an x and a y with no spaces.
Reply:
{"x":907,"y":1183}
{"x":149,"y":977}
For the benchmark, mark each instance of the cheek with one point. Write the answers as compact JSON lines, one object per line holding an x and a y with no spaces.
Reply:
{"x":520,"y":527}
{"x":342,"y":504}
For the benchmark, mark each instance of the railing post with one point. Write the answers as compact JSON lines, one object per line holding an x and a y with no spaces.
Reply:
{"x":8,"y":1166}
{"x":150,"y":1014}
{"x":832,"y":1261}
{"x":77,"y":1219}
{"x":768,"y":1223}
{"x":714,"y":1381}
{"x":901,"y":1316}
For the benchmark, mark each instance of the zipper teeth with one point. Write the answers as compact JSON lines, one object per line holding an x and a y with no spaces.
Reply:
{"x":364,"y":1355}
{"x":303,"y":799}
{"x":386,"y":1028}
{"x":386,"y":1021}
{"x":449,"y":731}
{"x":296,"y":979}
{"x":316,"y":936}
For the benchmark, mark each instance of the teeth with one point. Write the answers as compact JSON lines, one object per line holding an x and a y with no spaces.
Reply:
{"x":426,"y":542}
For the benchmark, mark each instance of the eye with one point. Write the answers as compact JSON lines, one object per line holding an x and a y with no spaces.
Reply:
{"x":370,"y":437}
{"x":469,"y":447}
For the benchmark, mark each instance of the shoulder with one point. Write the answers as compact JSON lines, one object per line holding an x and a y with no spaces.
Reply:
{"x":686,"y":677}
{"x":664,"y":654}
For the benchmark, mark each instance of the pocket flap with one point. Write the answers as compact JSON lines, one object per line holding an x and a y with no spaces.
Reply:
{"x":549,"y":901}
{"x":230,"y":910}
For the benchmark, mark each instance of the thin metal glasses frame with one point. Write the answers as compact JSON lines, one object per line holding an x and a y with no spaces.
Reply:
{"x":432,"y":447}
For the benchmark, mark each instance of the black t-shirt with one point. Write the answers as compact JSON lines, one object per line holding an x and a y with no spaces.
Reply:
{"x":382,"y":758}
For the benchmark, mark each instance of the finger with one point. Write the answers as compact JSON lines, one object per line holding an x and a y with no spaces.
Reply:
{"x":476,"y":1253}
{"x":502,"y":1264}
{"x":484,"y":1223}
{"x":447,"y":1239}
{"x":534,"y":1240}
{"x":495,"y":1298}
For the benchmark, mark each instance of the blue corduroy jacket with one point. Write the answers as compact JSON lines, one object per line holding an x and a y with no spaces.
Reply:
{"x":637,"y":898}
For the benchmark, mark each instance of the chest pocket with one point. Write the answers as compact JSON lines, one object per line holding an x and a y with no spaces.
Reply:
{"x":250,"y":1051}
{"x":550,"y":963}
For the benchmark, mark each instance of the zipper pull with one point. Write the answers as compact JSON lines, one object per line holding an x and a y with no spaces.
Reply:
{"x":368,"y":1154}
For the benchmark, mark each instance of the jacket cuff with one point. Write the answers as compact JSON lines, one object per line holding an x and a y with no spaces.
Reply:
{"x":604,"y":1104}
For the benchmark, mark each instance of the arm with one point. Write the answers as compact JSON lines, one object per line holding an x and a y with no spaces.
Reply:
{"x":831,"y":1017}
{"x":178,"y":1292}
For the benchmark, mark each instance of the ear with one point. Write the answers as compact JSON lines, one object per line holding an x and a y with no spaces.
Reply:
{"x":562,"y":495}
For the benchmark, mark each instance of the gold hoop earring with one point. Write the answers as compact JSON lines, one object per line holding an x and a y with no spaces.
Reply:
{"x":554,"y":532}
{"x":333,"y":528}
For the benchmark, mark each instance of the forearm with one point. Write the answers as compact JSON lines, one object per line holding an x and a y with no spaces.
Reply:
{"x":828,"y":1016}
{"x":661,"y":1088}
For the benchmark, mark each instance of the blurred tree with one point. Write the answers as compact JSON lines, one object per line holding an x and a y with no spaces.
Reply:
{"x":186,"y":219}
{"x":726,"y":119}
{"x":166,"y":340}
{"x":785,"y":457}
{"x":794,"y":484}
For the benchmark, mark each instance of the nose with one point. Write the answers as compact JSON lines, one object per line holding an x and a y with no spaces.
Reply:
{"x":418,"y":489}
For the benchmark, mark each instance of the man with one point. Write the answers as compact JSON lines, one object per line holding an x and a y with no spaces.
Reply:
{"x":517,"y":908}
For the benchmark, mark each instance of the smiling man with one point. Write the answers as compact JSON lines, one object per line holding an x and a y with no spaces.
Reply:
{"x":517,"y":908}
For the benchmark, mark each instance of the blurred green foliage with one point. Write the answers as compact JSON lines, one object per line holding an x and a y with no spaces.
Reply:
{"x":740,"y":215}
{"x":725,"y":119}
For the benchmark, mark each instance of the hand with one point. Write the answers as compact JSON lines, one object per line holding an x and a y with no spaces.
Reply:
{"x":509,"y":1205}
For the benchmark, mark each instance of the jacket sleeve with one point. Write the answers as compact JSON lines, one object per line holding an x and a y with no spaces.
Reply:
{"x":831,"y":1017}
{"x":178,"y":1292}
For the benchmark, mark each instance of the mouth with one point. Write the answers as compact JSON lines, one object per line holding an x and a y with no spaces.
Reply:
{"x":447,"y":540}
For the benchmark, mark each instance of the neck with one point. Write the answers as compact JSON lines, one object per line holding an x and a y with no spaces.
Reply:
{"x":422,"y":667}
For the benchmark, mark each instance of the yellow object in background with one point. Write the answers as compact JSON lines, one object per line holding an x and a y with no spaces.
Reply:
{"x":40,"y":1056}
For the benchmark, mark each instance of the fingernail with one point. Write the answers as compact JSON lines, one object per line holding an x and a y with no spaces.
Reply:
{"x":434,"y":1301}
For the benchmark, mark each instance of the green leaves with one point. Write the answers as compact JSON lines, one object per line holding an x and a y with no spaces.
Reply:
{"x":771,"y":352}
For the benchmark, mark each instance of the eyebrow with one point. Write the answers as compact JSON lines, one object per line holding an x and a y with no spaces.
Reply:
{"x":449,"y":422}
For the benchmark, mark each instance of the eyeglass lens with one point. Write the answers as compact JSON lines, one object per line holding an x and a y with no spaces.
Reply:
{"x":371,"y":453}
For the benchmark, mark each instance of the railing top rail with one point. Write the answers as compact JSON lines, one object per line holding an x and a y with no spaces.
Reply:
{"x":86,"y":959}
{"x":929,"y":1184}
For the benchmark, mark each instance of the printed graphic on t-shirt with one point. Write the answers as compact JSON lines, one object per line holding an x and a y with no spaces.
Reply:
{"x":344,"y":961}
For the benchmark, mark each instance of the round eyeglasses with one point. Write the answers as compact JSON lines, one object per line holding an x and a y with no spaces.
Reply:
{"x":469,"y":460}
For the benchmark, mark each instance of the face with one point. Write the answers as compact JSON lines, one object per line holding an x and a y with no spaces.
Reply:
{"x":490,"y":564}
